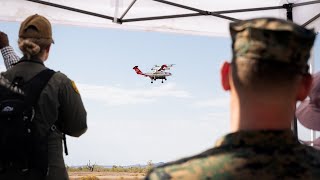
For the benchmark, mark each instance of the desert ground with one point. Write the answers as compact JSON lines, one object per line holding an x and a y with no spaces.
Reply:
{"x":106,"y":176}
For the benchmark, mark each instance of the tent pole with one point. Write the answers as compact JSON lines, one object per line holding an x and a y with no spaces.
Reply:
{"x":289,"y":7}
{"x":313,"y":137}
{"x":248,"y":10}
{"x":71,"y":9}
{"x":205,"y":13}
{"x":178,"y":16}
{"x":311,"y":20}
{"x":161,"y":17}
{"x":127,"y":10}
{"x":181,"y":6}
{"x":312,"y":71}
{"x":116,"y":10}
{"x":307,"y":3}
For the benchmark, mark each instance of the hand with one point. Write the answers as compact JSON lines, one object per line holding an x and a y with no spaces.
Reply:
{"x":4,"y":41}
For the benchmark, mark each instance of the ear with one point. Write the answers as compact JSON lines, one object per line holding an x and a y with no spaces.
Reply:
{"x":305,"y":87}
{"x":225,"y":69}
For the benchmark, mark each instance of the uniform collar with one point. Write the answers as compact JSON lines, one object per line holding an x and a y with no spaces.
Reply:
{"x":33,"y":60}
{"x":258,"y":138}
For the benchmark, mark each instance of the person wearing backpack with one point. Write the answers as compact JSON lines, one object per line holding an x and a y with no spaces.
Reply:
{"x":58,"y":109}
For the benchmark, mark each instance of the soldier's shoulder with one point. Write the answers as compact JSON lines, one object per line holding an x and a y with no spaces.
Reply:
{"x":311,"y":153}
{"x":194,"y":167}
{"x":307,"y":158}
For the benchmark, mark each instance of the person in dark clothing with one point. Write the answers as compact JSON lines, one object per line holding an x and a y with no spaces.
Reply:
{"x":59,"y":102}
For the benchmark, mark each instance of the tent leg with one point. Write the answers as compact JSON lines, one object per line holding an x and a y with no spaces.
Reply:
{"x":313,"y":136}
{"x":289,"y":7}
{"x":312,"y":71}
{"x":116,"y":10}
{"x":294,"y":126}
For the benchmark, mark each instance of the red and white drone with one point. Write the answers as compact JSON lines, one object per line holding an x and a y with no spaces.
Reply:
{"x":158,"y":72}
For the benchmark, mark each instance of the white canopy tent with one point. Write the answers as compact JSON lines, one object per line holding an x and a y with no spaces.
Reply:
{"x":201,"y":17}
{"x":198,"y":17}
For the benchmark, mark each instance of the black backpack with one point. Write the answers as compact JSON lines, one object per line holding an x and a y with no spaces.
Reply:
{"x":22,"y":147}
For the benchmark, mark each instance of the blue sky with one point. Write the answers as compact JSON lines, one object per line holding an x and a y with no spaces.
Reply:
{"x":131,"y":120}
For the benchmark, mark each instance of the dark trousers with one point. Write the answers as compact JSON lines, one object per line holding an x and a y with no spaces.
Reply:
{"x":53,"y":174}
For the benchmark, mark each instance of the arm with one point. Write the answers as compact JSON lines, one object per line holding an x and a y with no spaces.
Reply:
{"x":9,"y":56}
{"x":73,"y":115}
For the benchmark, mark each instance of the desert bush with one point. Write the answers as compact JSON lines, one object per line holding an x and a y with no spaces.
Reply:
{"x":114,"y":168}
{"x":150,"y":165}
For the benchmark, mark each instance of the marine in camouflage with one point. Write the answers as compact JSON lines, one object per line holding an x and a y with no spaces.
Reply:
{"x":263,"y":155}
{"x":260,"y":154}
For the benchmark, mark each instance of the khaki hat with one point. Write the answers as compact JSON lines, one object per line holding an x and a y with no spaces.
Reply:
{"x":308,"y":112}
{"x":40,"y":25}
{"x":272,"y":40}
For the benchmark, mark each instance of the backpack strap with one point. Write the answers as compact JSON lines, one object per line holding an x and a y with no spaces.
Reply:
{"x":36,"y":85}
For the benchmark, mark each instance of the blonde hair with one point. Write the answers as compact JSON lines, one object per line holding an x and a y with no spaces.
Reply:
{"x":33,"y":47}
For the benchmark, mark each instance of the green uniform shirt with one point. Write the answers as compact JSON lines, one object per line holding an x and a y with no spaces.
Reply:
{"x":59,"y":102}
{"x":249,"y":155}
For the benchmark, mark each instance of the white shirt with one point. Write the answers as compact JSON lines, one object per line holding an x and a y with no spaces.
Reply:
{"x":9,"y":56}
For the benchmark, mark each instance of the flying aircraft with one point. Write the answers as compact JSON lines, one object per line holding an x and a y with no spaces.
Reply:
{"x":162,"y":67}
{"x":159,"y":72}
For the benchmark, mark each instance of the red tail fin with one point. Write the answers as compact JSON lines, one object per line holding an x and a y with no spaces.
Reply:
{"x":163,"y":67}
{"x":137,"y":70}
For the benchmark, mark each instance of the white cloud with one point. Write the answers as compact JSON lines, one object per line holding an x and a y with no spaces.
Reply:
{"x":217,"y":102}
{"x":115,"y":95}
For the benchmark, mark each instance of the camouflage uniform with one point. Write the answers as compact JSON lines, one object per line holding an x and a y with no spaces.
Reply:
{"x":271,"y":40}
{"x":248,"y":155}
{"x":261,"y":154}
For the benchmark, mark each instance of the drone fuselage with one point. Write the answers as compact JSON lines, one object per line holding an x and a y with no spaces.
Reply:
{"x":157,"y":74}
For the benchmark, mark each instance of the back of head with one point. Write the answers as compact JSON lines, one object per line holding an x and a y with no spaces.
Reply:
{"x":269,"y":53}
{"x":35,"y":35}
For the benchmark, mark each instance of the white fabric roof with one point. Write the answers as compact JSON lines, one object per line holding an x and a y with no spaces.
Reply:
{"x":17,"y":10}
